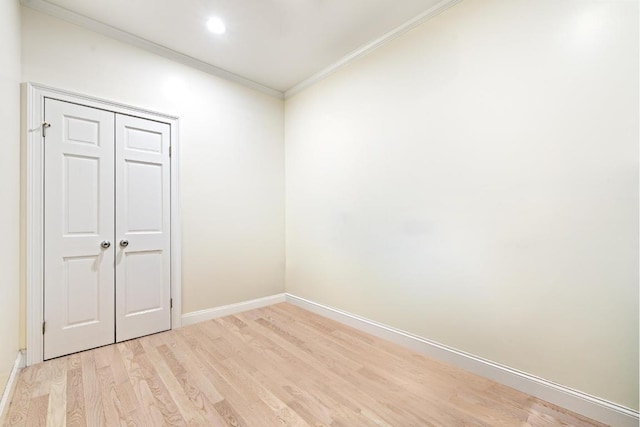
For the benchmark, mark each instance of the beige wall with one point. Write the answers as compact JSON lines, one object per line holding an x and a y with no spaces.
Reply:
{"x":231,"y":137}
{"x":475,"y":182}
{"x":9,"y":184}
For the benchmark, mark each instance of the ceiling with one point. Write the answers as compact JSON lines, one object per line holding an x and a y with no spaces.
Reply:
{"x":275,"y":43}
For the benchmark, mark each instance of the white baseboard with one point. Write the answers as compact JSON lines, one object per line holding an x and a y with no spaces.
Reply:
{"x":565,"y":397}
{"x":19,"y":364}
{"x":573,"y":400}
{"x":226,"y":310}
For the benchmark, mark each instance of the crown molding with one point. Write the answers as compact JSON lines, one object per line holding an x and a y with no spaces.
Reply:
{"x":126,"y":37}
{"x":371,"y":46}
{"x":123,"y":36}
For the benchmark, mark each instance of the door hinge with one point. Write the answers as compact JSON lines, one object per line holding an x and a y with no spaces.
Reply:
{"x":170,"y":150}
{"x":43,"y":327}
{"x":45,"y":126}
{"x":170,"y":302}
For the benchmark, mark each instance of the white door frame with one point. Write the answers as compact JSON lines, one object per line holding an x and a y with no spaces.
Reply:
{"x":33,"y":96}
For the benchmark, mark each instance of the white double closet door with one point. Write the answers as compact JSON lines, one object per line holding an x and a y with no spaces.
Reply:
{"x":107,"y":228}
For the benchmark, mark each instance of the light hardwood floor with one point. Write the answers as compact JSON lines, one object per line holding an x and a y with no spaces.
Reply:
{"x":274,"y":366}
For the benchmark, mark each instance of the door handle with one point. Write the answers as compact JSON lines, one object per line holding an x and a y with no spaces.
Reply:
{"x":124,"y":243}
{"x":105,"y":244}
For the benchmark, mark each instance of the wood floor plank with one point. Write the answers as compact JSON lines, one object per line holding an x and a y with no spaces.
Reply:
{"x":181,"y":364}
{"x":383,"y":371}
{"x":121,"y":398}
{"x":42,"y":380}
{"x":233,"y":397}
{"x":142,"y":398}
{"x":76,"y":415}
{"x":192,"y":404}
{"x":273,"y":372}
{"x":313,"y":379}
{"x":113,"y":411}
{"x":359,"y":346}
{"x":94,"y":410}
{"x":274,"y":366}
{"x":282,"y":412}
{"x":230,"y":415}
{"x":162,"y":405}
{"x":19,"y":406}
{"x":37,"y":415}
{"x":57,"y":409}
{"x":342,"y":382}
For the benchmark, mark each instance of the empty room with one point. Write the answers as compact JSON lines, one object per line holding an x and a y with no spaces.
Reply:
{"x":319,"y":213}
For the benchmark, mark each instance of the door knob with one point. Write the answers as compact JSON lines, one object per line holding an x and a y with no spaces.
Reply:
{"x":105,"y":244}
{"x":124,"y":243}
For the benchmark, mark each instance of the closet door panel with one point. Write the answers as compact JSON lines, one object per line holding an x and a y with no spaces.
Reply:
{"x":143,"y":288}
{"x":79,"y":204}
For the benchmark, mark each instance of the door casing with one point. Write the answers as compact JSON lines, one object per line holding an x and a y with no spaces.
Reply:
{"x":33,"y":96}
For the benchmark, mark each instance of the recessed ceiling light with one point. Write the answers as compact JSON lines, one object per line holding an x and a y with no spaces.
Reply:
{"x":216,"y":26}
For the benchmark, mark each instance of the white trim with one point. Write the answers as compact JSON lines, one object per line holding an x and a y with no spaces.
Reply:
{"x":33,"y":110}
{"x":6,"y":395}
{"x":227,"y":310}
{"x":34,"y":197}
{"x":123,"y":36}
{"x":565,"y":397}
{"x":176,"y":228}
{"x":371,"y":46}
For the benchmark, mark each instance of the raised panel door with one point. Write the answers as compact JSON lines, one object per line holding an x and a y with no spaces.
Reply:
{"x":143,"y":197}
{"x":79,"y":205}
